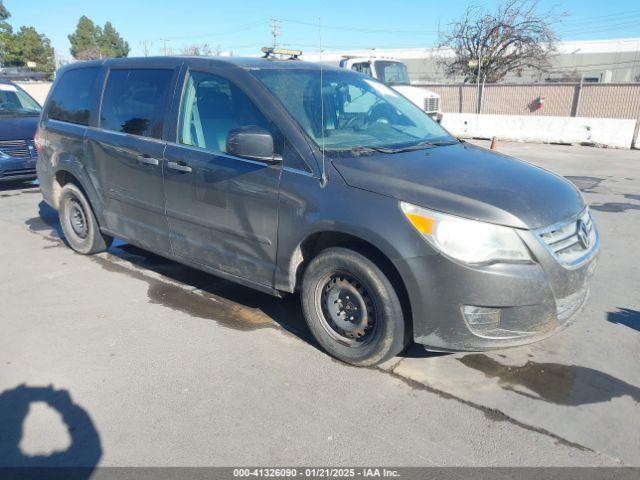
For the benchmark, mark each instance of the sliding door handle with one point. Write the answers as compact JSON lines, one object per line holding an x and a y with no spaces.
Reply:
{"x":147,"y":160}
{"x":179,"y":167}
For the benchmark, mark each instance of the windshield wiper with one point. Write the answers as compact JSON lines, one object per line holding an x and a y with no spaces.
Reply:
{"x":416,"y":146}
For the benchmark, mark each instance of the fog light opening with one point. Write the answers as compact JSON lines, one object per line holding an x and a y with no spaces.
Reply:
{"x":482,"y":316}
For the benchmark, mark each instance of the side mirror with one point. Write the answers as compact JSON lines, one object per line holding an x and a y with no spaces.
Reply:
{"x":251,"y":142}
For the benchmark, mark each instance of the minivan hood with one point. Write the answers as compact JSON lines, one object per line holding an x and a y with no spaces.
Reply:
{"x":18,"y":128}
{"x":467,"y":181}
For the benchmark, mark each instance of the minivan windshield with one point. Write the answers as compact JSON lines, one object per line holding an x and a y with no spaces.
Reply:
{"x":391,"y":73}
{"x":353,"y":112}
{"x":14,"y":101}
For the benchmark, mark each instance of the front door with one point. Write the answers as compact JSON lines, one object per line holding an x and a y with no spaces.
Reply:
{"x":222,"y":210}
{"x":127,"y":151}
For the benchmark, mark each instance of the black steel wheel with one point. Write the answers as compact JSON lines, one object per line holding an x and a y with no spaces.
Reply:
{"x":348,"y":310}
{"x":352,"y":309}
{"x":79,"y":224}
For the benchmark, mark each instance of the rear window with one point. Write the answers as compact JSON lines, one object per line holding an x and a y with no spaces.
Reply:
{"x":134,"y":101}
{"x":71,"y":100}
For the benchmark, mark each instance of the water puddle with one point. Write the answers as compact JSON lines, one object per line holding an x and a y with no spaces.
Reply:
{"x":206,"y":296}
{"x":614,"y":207}
{"x":586,"y":184}
{"x":238,"y":317}
{"x":570,"y":385}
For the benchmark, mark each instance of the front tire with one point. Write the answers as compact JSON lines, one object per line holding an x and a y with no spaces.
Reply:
{"x":79,"y":224}
{"x":352,"y":309}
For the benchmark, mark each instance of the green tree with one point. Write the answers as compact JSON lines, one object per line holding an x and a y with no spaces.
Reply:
{"x":6,"y":32}
{"x":89,"y":41}
{"x":111,"y":43}
{"x":30,"y":46}
{"x":85,"y":41}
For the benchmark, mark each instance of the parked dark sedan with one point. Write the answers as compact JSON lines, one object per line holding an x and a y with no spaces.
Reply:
{"x":19,"y":115}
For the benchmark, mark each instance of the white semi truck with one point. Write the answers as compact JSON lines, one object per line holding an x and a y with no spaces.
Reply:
{"x":393,"y":72}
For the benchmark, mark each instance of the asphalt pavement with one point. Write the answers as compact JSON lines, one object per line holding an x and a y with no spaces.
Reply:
{"x":128,"y":359}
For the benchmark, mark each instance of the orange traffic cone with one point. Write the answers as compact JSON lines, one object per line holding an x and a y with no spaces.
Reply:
{"x":493,"y":144}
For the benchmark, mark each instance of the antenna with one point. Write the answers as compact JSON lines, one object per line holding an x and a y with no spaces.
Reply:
{"x":323,"y":178}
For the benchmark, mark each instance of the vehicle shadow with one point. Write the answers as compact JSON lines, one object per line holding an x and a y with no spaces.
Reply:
{"x":286,"y":312}
{"x":46,"y":220}
{"x":625,"y":316}
{"x":233,"y":304}
{"x":78,"y":460}
{"x":6,"y":186}
{"x":418,"y":351}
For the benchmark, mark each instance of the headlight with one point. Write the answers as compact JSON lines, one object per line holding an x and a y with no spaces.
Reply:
{"x":466,"y":240}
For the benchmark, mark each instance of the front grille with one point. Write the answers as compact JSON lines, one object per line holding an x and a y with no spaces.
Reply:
{"x":17,"y":148}
{"x":431,"y":104}
{"x":18,"y":172}
{"x":568,"y":244}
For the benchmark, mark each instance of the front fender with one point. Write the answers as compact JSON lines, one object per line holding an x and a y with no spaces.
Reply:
{"x":307,"y":209}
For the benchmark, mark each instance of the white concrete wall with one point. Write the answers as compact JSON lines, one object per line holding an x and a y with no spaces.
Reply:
{"x":37,"y":90}
{"x":617,"y":133}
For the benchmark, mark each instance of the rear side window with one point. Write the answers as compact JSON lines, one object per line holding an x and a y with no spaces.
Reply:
{"x":134,"y":100}
{"x":71,"y":100}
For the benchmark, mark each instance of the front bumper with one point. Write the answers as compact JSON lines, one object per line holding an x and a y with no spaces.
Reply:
{"x":14,"y":168}
{"x":532,"y":301}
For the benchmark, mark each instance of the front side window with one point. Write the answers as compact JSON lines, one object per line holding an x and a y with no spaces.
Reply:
{"x":392,"y":73}
{"x":351,"y":111}
{"x":71,"y":99}
{"x":211,"y":107}
{"x":364,"y":67}
{"x":15,"y":101}
{"x":134,"y":101}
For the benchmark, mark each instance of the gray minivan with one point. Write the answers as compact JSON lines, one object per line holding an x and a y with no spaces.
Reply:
{"x":284,"y":176}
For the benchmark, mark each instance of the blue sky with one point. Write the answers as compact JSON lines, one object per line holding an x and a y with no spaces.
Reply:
{"x":243,"y":26}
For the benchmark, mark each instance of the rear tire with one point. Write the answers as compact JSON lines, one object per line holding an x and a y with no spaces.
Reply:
{"x":352,"y":309}
{"x":79,"y":224}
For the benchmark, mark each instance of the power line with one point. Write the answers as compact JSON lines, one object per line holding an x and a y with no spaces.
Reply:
{"x":237,"y":29}
{"x":600,"y":18}
{"x":360,"y":30}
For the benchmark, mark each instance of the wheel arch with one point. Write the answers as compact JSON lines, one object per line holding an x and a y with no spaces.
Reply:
{"x":65,"y":175}
{"x":316,"y":242}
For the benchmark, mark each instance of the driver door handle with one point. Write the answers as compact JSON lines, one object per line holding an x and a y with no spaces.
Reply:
{"x":147,"y":160}
{"x":179,"y":167}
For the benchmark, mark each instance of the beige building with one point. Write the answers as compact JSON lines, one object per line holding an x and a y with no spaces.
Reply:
{"x":595,"y":61}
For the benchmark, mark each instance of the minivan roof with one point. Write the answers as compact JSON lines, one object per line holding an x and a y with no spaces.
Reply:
{"x":239,"y":62}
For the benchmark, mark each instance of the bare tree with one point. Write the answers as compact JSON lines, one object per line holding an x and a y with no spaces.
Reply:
{"x":198,"y":50}
{"x":488,"y":45}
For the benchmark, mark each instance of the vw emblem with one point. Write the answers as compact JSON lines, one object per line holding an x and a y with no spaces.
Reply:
{"x":583,"y":234}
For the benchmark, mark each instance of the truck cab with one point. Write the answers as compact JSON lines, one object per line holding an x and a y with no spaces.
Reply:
{"x":394,"y":73}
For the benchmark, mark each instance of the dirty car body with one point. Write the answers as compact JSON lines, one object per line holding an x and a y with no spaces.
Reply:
{"x":260,"y":172}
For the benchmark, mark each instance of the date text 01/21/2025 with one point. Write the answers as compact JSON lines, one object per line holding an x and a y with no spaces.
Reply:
{"x":315,"y":472}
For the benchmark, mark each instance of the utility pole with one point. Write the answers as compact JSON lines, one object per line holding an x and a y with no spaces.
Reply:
{"x":479,"y":93}
{"x":275,"y":31}
{"x":146,"y":47}
{"x":164,"y":46}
